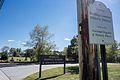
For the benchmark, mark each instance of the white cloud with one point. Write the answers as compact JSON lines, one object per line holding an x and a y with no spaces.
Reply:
{"x":18,"y":42}
{"x":67,"y":39}
{"x":23,"y":43}
{"x":11,"y":40}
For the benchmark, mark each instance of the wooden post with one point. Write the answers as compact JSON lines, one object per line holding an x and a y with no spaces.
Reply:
{"x":79,"y":20}
{"x":64,"y":64}
{"x":88,"y":59}
{"x":40,"y":66}
{"x":97,"y":62}
{"x":104,"y":63}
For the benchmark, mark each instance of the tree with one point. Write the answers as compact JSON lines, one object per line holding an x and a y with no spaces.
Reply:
{"x":40,"y":39}
{"x":112,"y":51}
{"x":5,"y":49}
{"x":15,"y":51}
{"x":4,"y":56}
{"x":65,"y":50}
{"x":18,"y":51}
{"x":49,"y":47}
{"x":72,"y":50}
{"x":12,"y":50}
{"x":30,"y":53}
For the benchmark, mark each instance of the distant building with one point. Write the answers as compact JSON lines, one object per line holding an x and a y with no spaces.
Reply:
{"x":1,"y":3}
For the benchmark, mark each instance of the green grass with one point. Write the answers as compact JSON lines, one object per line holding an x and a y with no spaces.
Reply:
{"x":18,"y":59}
{"x":72,"y":73}
{"x":114,"y":71}
{"x":55,"y":72}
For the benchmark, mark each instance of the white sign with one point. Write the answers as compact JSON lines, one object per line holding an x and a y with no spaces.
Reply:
{"x":100,"y":24}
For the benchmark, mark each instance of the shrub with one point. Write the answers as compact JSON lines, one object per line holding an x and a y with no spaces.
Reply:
{"x":4,"y":56}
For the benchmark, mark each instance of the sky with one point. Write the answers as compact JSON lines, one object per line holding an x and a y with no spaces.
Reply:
{"x":19,"y":17}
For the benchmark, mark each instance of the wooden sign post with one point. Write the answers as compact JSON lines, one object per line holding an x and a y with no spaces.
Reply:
{"x":88,"y":60}
{"x":95,"y":27}
{"x":51,"y":59}
{"x":101,"y":30}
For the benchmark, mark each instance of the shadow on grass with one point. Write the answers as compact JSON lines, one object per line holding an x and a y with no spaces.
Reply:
{"x":73,"y":70}
{"x":49,"y":77}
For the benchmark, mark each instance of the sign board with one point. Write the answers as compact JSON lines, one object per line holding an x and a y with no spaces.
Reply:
{"x":100,"y":24}
{"x":52,"y":59}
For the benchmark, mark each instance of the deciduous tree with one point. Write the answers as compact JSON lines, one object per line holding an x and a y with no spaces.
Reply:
{"x":72,"y":50}
{"x":40,"y":39}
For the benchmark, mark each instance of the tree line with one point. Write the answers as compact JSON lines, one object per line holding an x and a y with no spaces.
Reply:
{"x":40,"y":44}
{"x":113,"y":51}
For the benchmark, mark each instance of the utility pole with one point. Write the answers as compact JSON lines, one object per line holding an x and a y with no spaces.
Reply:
{"x":88,"y":59}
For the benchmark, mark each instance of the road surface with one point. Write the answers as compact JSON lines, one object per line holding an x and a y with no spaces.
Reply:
{"x":19,"y":72}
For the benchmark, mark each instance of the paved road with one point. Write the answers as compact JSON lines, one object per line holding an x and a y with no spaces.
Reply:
{"x":21,"y":71}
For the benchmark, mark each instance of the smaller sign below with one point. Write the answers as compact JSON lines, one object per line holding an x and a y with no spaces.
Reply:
{"x":52,"y":59}
{"x":100,"y":24}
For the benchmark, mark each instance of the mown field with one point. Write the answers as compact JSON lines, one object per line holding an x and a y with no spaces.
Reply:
{"x":19,"y":59}
{"x":72,"y":73}
{"x":16,"y":59}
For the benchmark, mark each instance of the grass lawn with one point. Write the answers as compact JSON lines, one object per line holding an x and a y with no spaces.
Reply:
{"x":114,"y":71}
{"x":16,"y":59}
{"x":19,"y":59}
{"x":55,"y":72}
{"x":72,"y":73}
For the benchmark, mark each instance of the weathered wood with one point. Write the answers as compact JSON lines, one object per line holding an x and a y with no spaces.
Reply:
{"x":88,"y":59}
{"x":96,"y":64}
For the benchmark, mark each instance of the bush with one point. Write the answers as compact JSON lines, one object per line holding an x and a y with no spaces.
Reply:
{"x":4,"y":56}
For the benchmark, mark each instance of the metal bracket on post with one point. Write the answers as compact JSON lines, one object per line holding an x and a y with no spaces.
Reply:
{"x":80,"y":28}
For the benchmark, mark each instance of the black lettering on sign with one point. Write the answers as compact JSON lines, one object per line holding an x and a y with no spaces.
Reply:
{"x":52,"y":59}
